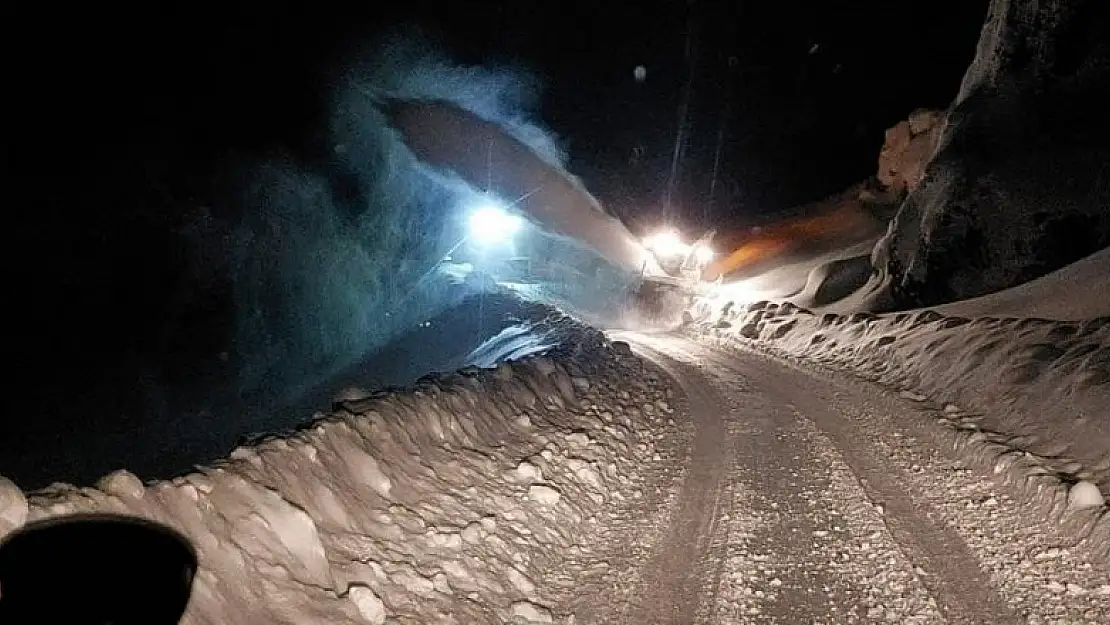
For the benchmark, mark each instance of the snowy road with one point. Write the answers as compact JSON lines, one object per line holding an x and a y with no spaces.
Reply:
{"x":807,"y":498}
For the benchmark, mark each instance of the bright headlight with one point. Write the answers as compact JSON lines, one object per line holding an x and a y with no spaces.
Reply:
{"x":492,"y":224}
{"x":667,"y":243}
{"x":704,"y":254}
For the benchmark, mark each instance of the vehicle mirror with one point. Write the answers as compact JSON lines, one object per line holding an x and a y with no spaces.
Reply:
{"x":95,"y":569}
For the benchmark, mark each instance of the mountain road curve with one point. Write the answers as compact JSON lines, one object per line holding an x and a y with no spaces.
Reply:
{"x":809,"y":497}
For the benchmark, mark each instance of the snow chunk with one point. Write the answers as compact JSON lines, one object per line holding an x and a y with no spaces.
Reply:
{"x":365,"y":466}
{"x":471,"y":534}
{"x":531,"y":613}
{"x":489,"y":524}
{"x":370,"y":607}
{"x":447,"y":540}
{"x":13,"y":506}
{"x":521,"y":582}
{"x":415,"y":584}
{"x":578,"y":439}
{"x":123,"y":484}
{"x":1075,"y":590}
{"x":458,"y":575}
{"x":439,"y":581}
{"x":528,"y":472}
{"x":544,"y":495}
{"x":585,"y":473}
{"x":1085,"y":495}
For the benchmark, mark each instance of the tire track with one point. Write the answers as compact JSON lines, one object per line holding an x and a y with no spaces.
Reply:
{"x":786,"y":438}
{"x":955,"y":579}
{"x":684,"y":566}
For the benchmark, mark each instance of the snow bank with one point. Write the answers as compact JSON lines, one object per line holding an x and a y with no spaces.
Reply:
{"x":834,"y":280}
{"x":1028,"y":398}
{"x":440,"y":504}
{"x":1078,"y":291}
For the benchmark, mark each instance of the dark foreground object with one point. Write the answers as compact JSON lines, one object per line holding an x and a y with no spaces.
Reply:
{"x":95,"y":569}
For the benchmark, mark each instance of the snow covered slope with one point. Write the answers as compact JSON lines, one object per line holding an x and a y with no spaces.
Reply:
{"x":1073,"y":293}
{"x":1078,"y":291}
{"x":1029,"y":397}
{"x":441,"y":504}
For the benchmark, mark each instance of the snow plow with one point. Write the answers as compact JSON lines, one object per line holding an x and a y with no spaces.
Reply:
{"x":661,"y":297}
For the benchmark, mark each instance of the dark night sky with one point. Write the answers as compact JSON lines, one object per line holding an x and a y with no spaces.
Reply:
{"x":798,"y":125}
{"x":185,"y":84}
{"x":121,"y":119}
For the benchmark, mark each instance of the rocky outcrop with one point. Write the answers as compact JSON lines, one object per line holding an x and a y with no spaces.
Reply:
{"x":1019,"y":184}
{"x":907,"y":149}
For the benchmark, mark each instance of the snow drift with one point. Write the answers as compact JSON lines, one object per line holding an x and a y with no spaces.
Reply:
{"x":1076,"y":292}
{"x":486,"y":155}
{"x":1027,"y":395}
{"x":442,"y":504}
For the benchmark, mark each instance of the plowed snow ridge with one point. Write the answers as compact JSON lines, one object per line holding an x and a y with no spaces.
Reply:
{"x":437,"y":505}
{"x":1026,"y":398}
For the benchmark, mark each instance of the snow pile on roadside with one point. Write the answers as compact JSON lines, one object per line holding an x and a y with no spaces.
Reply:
{"x":475,"y":328}
{"x":441,"y":504}
{"x":1077,"y":291}
{"x":1028,"y":394}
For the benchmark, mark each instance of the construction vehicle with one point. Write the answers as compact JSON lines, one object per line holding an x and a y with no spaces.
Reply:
{"x":662,"y":297}
{"x":684,"y":263}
